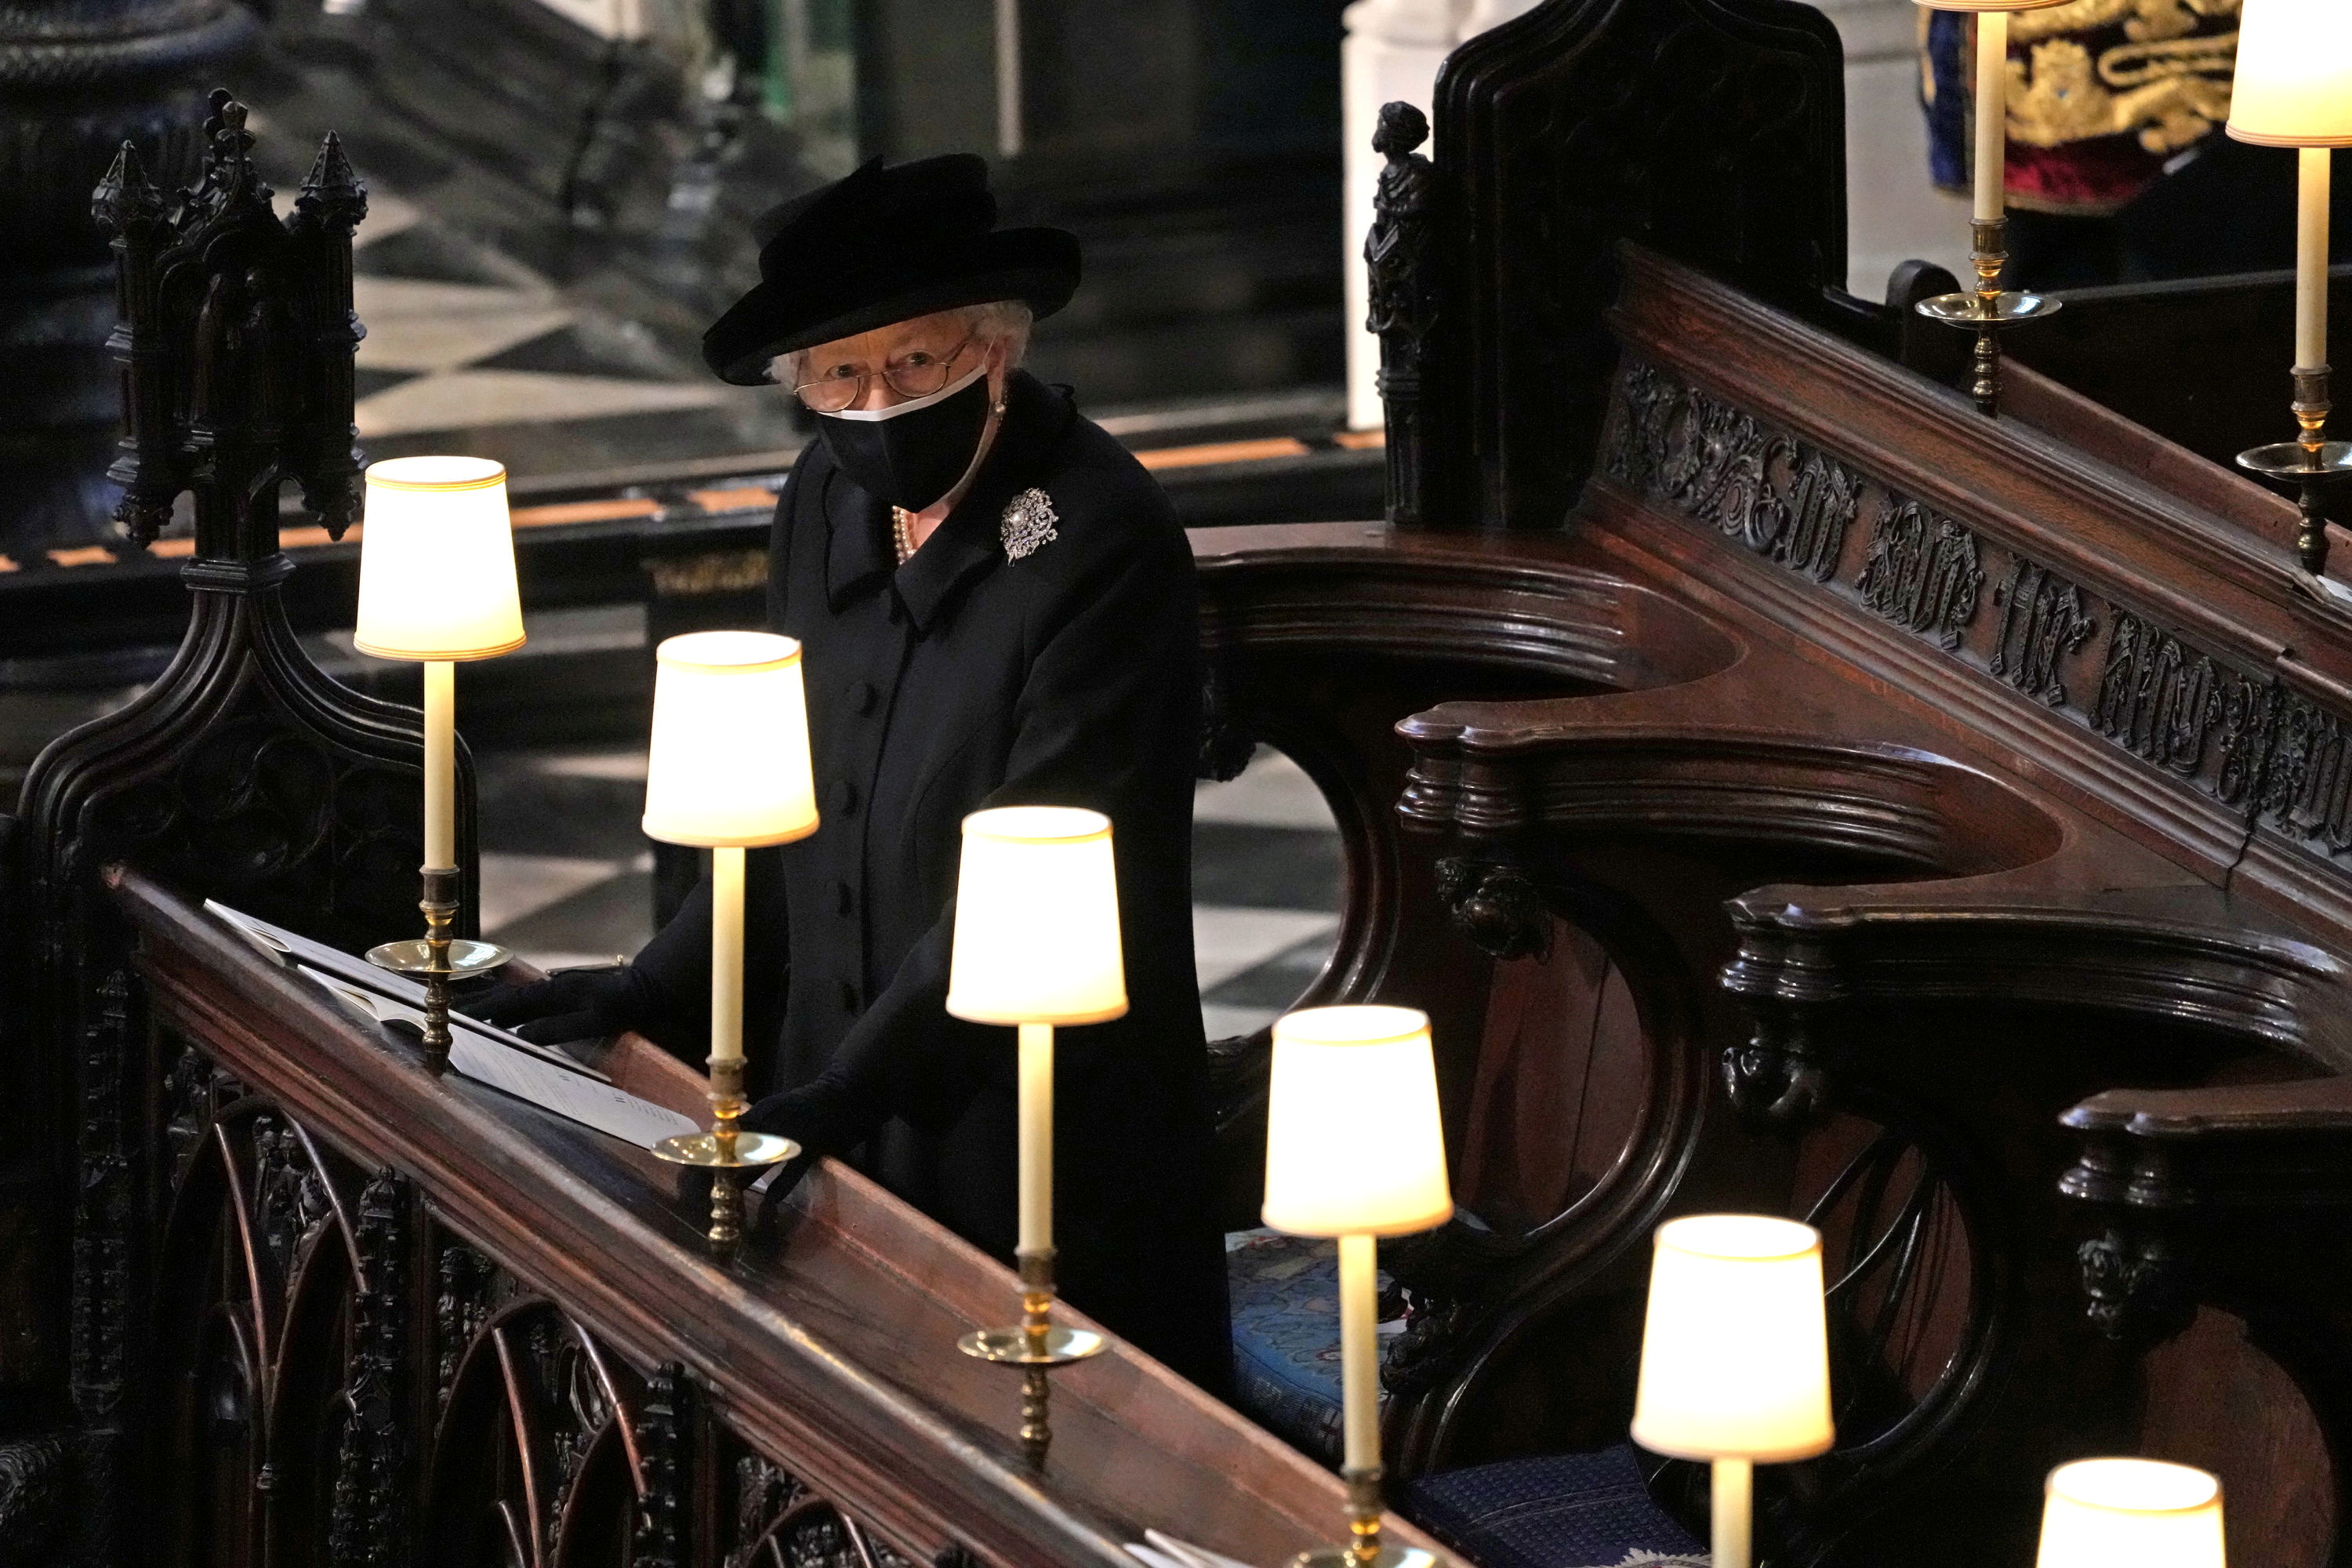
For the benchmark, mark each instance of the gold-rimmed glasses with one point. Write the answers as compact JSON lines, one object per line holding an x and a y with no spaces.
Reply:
{"x":918,"y":374}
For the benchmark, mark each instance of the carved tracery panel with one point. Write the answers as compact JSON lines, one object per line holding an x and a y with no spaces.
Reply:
{"x":346,"y":1382}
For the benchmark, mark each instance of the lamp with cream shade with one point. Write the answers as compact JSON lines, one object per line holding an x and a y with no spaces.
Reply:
{"x":1036,"y":945}
{"x":1735,"y":1357}
{"x":2131,"y":1513}
{"x":1355,"y":1150}
{"x":1988,"y":309}
{"x":437,"y":586}
{"x":2293,"y":89}
{"x":728,"y":770}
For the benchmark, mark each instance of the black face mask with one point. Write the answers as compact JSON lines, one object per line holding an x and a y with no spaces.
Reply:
{"x":916,"y":452}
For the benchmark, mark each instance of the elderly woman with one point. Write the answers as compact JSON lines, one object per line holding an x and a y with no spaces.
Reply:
{"x":998,"y":608}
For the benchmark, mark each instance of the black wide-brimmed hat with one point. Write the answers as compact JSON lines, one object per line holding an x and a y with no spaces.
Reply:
{"x":884,"y":244}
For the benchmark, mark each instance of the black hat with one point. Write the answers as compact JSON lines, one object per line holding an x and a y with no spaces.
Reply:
{"x":885,"y":245}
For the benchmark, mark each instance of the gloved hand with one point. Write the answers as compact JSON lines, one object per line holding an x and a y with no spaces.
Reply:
{"x":818,"y":1116}
{"x":571,"y":1005}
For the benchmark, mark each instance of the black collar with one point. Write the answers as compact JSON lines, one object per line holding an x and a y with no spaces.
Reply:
{"x":859,"y":551}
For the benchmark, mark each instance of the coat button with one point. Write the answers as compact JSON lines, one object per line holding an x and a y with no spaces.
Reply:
{"x":848,"y":997}
{"x":863,"y":697}
{"x":848,"y":900}
{"x":845,"y":798}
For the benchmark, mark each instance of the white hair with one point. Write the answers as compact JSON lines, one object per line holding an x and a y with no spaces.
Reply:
{"x":1005,"y":321}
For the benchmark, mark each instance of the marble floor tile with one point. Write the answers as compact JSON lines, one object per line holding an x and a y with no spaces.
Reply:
{"x":1227,"y":942}
{"x":624,"y":765}
{"x":606,"y":920}
{"x":468,"y":397}
{"x":1272,"y":792}
{"x":445,"y":340}
{"x":1240,"y":865}
{"x":515,"y":887}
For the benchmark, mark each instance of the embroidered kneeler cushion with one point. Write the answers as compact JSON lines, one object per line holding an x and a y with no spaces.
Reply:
{"x":1562,"y":1511}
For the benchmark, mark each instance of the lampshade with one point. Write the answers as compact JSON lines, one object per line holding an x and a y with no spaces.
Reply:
{"x":1037,"y":922}
{"x":731,"y":747}
{"x":2293,"y":82}
{"x":2130,"y":1513}
{"x":436,"y":561}
{"x":1734,"y":1351}
{"x":1353,"y":1142}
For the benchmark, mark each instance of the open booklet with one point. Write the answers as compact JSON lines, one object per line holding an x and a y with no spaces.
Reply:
{"x":1160,"y":1549}
{"x":480,"y":1051}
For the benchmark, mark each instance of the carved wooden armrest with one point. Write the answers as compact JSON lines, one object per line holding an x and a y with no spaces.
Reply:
{"x":2231,"y":1146}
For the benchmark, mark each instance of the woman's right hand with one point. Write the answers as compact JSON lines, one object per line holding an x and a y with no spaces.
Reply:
{"x":570,"y":1005}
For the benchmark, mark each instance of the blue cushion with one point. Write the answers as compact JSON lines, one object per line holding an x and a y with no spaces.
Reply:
{"x":1286,"y":1296}
{"x":1565,"y":1511}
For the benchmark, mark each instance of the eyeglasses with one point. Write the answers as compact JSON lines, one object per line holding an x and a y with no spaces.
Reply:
{"x":917,"y":374}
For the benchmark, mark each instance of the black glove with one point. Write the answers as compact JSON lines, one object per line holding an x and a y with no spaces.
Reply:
{"x":819,"y":1116}
{"x":571,"y":1005}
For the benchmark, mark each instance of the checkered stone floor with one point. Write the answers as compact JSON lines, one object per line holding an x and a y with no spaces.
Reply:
{"x":567,"y":878}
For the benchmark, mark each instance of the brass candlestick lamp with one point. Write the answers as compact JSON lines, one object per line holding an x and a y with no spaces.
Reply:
{"x":1036,"y":944}
{"x":2293,"y":89}
{"x":1988,"y":309}
{"x":1735,"y":1357}
{"x":728,"y":770}
{"x":437,"y":585}
{"x":1354,"y":1150}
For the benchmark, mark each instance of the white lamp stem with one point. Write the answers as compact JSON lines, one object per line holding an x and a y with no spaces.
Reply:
{"x":1735,"y":1502}
{"x":1992,"y":113}
{"x":727,"y":953}
{"x":2311,"y":260}
{"x":1359,"y":1351}
{"x":1036,"y":1137}
{"x":440,"y":765}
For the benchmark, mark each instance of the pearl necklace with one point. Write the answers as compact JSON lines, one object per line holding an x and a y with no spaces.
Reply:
{"x":902,"y":533}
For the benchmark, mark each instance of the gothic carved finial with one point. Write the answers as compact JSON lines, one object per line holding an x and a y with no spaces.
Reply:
{"x":1401,"y":273}
{"x":126,"y":199}
{"x":333,"y":197}
{"x":228,"y":186}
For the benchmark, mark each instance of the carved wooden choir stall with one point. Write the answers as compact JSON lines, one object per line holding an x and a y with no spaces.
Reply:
{"x":1786,"y":788}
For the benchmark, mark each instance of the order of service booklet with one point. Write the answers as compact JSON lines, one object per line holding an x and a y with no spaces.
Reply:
{"x":480,"y":1051}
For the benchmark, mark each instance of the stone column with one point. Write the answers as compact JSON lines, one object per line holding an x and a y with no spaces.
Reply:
{"x":78,"y":79}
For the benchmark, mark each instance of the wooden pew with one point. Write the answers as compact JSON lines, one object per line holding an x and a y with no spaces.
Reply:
{"x":539,"y":1342}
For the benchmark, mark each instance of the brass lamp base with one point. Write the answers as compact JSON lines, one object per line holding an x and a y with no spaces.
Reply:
{"x":1988,"y":309}
{"x":726,"y":1151}
{"x":1365,"y":1550}
{"x":466,"y":957}
{"x":1035,"y":1348}
{"x":431,"y":958}
{"x":2310,"y":465}
{"x":702,"y":1149}
{"x":1012,"y":1347}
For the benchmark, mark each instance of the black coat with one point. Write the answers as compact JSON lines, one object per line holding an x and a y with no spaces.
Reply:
{"x":962,"y":680}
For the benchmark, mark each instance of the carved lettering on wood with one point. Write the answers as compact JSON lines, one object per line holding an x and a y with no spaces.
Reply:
{"x":1789,"y":503}
{"x":1923,"y":571}
{"x":2233,"y":734}
{"x":2308,"y":789}
{"x":2043,"y":622}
